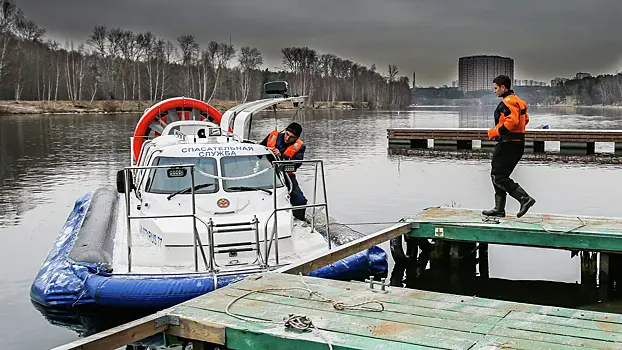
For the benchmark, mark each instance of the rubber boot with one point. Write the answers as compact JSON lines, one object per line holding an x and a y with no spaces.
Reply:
{"x":499,"y":209}
{"x":524,"y":199}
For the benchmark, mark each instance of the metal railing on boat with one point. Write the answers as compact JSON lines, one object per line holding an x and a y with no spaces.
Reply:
{"x":282,"y":166}
{"x":286,"y":166}
{"x":197,"y":238}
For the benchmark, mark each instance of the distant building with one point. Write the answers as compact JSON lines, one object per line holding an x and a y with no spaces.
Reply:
{"x":559,"y":81}
{"x":476,"y":73}
{"x":583,"y":75}
{"x":530,"y":82}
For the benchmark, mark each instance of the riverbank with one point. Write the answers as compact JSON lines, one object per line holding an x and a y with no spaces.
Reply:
{"x":113,"y":107}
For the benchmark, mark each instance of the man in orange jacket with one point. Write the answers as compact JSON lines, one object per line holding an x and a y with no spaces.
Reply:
{"x":288,"y":146}
{"x":510,"y":120}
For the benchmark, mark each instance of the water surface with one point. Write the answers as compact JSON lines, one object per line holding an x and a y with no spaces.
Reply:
{"x":47,"y":162}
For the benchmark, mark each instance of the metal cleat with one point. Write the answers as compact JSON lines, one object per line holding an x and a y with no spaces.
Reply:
{"x":382,"y":283}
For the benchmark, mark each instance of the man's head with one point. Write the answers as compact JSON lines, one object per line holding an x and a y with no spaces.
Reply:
{"x":501,"y":84}
{"x":292,"y":132}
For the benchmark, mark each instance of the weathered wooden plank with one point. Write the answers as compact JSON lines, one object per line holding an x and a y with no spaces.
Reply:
{"x":530,"y":134}
{"x":561,"y":330}
{"x":396,"y":306}
{"x":606,"y":226}
{"x":121,"y":335}
{"x":313,"y":263}
{"x":192,"y":329}
{"x":252,"y":335}
{"x":565,"y":321}
{"x":298,"y":301}
{"x":394,"y":300}
{"x":496,"y":342}
{"x":272,"y":340}
{"x":576,"y":342}
{"x":441,"y":301}
{"x":345,"y":323}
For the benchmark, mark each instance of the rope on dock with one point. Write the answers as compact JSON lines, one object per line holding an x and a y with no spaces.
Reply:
{"x":301,"y":322}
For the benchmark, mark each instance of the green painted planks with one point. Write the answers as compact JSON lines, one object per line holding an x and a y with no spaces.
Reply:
{"x":268,"y":340}
{"x":531,"y":221}
{"x":495,"y":342}
{"x":565,"y":321}
{"x":252,"y":335}
{"x":454,"y":326}
{"x":394,"y":300}
{"x":421,"y":299}
{"x":344,"y":323}
{"x":506,"y":333}
{"x":561,"y":330}
{"x":386,"y":315}
{"x":532,"y":238}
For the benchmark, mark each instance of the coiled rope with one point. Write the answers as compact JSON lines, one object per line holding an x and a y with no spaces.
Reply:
{"x":303,"y":323}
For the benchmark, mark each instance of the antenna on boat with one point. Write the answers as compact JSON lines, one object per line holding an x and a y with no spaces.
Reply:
{"x":276,"y":88}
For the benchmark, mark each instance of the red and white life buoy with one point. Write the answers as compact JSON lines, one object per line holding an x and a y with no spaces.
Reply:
{"x":155,"y":118}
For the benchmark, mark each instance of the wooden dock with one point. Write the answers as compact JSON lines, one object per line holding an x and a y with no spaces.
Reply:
{"x":465,"y":233}
{"x":571,"y":141}
{"x":400,"y":319}
{"x":532,"y":230}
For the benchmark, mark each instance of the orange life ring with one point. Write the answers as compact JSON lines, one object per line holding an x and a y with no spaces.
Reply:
{"x":159,"y":112}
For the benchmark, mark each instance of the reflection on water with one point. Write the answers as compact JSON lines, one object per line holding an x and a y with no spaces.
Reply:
{"x":47,"y":162}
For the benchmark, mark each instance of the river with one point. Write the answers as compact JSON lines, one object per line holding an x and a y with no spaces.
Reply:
{"x":48,"y":161}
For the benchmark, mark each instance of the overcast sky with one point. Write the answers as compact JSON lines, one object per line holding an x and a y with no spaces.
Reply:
{"x":546,"y":38}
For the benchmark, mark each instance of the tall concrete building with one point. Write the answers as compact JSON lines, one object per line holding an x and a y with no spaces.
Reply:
{"x":477,"y":72}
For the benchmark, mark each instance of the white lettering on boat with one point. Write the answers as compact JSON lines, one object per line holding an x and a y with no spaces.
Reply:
{"x":215,"y":149}
{"x":216,"y":154}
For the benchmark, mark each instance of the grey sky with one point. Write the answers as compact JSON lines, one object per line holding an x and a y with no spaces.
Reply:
{"x":546,"y":38}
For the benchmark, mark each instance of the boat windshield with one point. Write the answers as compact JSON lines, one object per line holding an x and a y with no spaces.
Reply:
{"x":160,"y":182}
{"x":239,"y":166}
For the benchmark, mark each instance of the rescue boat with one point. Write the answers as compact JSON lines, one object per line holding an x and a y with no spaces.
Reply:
{"x":198,"y":207}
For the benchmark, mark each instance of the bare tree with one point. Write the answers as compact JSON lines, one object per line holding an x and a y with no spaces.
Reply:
{"x":250,"y":60}
{"x":189,"y":49}
{"x":223,"y":55}
{"x":9,"y":16}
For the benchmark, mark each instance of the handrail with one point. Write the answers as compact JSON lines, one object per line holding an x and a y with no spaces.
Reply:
{"x":129,"y":217}
{"x":274,"y":236}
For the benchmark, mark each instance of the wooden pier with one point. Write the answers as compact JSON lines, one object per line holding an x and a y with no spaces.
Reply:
{"x":571,"y":141}
{"x":282,"y":309}
{"x":252,"y":314}
{"x":463,"y":233}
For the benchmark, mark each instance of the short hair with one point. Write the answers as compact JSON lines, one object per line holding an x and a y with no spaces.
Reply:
{"x":503,"y":80}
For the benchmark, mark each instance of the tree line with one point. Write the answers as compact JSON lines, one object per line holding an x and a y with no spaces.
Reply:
{"x":119,"y":64}
{"x":604,"y":89}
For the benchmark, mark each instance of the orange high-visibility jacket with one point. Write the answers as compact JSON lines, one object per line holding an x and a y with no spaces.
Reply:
{"x":517,"y":120}
{"x":289,"y":151}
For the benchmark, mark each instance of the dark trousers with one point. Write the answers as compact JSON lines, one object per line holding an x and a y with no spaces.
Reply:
{"x":296,"y":197}
{"x":505,"y":157}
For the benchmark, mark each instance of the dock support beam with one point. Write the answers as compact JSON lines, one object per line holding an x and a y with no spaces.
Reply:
{"x":618,"y":149}
{"x":462,"y":260}
{"x":538,"y":147}
{"x":588,"y":274}
{"x":582,"y":148}
{"x":419,"y":143}
{"x":482,"y":260}
{"x":604,"y":281}
{"x":465,"y":144}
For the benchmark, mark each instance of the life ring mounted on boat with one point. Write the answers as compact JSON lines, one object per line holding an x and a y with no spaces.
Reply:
{"x":155,"y":119}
